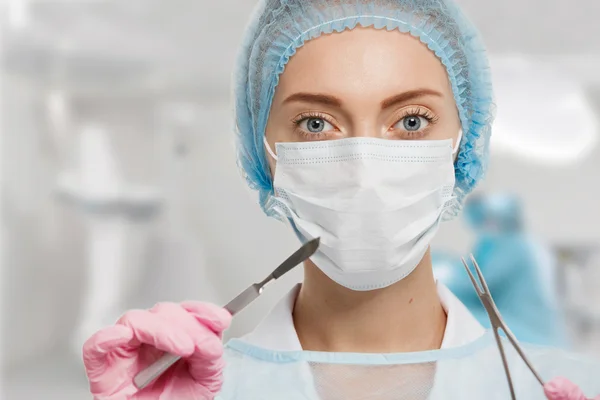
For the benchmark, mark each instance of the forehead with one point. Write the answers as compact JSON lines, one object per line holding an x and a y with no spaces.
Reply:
{"x":364,"y":60}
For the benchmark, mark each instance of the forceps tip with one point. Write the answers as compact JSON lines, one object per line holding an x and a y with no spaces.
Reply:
{"x":484,"y":286}
{"x":472,"y":277}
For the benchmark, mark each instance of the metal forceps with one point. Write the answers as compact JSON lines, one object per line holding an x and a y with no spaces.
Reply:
{"x":498,"y":323}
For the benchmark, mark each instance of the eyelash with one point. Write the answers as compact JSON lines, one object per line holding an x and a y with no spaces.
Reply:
{"x":417,"y":112}
{"x":411,"y":112}
{"x":308,"y":115}
{"x":420,"y":112}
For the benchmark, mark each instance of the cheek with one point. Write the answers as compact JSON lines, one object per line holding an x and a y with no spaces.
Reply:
{"x":272,"y":166}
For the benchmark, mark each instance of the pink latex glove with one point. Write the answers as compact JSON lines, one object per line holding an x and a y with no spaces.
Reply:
{"x":192,"y":330}
{"x":564,"y":389}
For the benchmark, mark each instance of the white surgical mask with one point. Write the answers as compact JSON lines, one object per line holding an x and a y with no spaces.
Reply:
{"x":376,"y":204}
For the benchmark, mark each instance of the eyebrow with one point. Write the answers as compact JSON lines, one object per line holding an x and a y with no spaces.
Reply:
{"x":324,"y":99}
{"x":333,"y":101}
{"x":410,"y":95}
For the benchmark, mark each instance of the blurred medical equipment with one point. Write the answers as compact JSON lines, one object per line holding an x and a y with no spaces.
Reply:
{"x":95,"y":187}
{"x":520,"y":270}
{"x":578,"y":277}
{"x":102,"y":113}
{"x":148,"y":101}
{"x":236,"y":305}
{"x":483,"y":292}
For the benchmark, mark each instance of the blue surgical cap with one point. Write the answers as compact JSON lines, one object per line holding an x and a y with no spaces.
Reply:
{"x":278,"y":28}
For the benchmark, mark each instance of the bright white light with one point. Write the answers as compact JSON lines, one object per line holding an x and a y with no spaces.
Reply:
{"x":543,"y":114}
{"x":19,"y":15}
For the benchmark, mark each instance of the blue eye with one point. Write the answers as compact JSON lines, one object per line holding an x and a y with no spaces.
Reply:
{"x":412,"y":123}
{"x":315,"y":125}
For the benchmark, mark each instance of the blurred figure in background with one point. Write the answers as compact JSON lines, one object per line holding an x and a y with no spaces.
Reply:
{"x":520,"y":271}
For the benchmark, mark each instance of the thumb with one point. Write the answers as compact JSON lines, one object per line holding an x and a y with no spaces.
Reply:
{"x":99,"y":345}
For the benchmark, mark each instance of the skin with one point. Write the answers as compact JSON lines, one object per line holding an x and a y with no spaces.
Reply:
{"x":370,"y":82}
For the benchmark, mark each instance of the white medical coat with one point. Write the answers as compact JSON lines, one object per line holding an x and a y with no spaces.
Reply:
{"x":277,"y":332}
{"x":269,"y":363}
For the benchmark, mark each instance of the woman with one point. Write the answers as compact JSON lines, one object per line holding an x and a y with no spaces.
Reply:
{"x":364,"y":123}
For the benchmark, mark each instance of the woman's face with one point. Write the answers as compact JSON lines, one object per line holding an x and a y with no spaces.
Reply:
{"x":364,"y":82}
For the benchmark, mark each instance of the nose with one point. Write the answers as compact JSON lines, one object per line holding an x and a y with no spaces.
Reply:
{"x":366,"y":128}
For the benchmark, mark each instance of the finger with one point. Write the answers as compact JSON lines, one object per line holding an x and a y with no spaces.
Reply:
{"x":563,"y":389}
{"x":177,"y":315}
{"x":206,"y":364}
{"x":182,"y":387}
{"x":151,"y":329}
{"x":208,"y":344}
{"x":106,"y":374}
{"x":199,"y":321}
{"x":96,"y":348}
{"x":214,"y":317}
{"x":174,"y":314}
{"x":108,"y":391}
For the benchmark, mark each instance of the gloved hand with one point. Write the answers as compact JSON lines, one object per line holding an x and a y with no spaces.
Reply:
{"x":564,"y":389}
{"x":193,"y":330}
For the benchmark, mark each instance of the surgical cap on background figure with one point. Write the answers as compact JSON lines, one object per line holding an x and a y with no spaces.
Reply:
{"x":499,"y":211}
{"x":279,"y":27}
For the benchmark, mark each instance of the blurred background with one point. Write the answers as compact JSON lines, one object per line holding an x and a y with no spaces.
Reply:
{"x":120,"y":187}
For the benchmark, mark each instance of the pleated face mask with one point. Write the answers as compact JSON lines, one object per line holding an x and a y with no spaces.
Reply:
{"x":376,"y":204}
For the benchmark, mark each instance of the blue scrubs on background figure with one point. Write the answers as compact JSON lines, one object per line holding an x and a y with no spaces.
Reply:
{"x":519,"y":271}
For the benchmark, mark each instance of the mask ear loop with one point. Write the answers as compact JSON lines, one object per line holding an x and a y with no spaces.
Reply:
{"x":268,"y":148}
{"x":279,"y":208}
{"x":454,"y":150}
